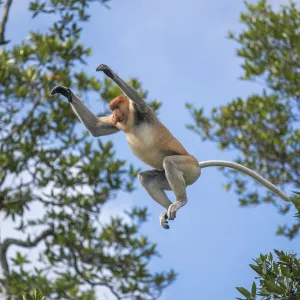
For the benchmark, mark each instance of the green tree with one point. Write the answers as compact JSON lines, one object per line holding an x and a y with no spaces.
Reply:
{"x":264,"y":128}
{"x":278,"y":278}
{"x":47,"y":159}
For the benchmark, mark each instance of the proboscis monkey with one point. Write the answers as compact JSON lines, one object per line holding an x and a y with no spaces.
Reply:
{"x":173,"y":167}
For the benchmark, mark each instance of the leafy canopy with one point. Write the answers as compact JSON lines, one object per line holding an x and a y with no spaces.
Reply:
{"x":264,"y":128}
{"x":278,"y":278}
{"x":49,"y":164}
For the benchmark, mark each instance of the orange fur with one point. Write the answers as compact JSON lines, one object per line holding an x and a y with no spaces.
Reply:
{"x":151,"y":143}
{"x":120,"y":109}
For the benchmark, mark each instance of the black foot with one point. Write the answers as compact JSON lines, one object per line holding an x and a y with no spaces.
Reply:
{"x":63,"y":91}
{"x":106,"y":70}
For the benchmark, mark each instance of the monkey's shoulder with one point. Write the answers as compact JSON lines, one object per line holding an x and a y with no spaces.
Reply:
{"x":142,"y":114}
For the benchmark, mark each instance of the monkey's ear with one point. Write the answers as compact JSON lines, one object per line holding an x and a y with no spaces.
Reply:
{"x":66,"y":92}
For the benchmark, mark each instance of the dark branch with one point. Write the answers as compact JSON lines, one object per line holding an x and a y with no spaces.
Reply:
{"x":4,"y":203}
{"x":92,"y":283}
{"x":3,"y":176}
{"x":4,"y":21}
{"x":26,"y":244}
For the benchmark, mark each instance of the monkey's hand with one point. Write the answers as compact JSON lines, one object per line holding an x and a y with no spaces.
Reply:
{"x":115,"y":119}
{"x":163,"y":219}
{"x":63,"y":91}
{"x":106,"y":70}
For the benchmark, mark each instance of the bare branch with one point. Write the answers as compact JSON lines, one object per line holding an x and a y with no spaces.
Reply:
{"x":3,"y":176}
{"x":4,"y":21}
{"x":26,"y":244}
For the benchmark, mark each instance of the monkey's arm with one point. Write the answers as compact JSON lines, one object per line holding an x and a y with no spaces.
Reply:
{"x":249,"y":172}
{"x":125,"y":87}
{"x":96,"y":126}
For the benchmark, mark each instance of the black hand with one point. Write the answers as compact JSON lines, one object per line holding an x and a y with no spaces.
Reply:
{"x":106,"y":70}
{"x":63,"y":91}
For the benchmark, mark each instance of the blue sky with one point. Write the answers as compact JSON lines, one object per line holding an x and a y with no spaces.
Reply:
{"x":179,"y":51}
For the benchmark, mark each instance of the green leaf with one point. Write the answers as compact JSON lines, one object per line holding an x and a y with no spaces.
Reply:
{"x":273,"y":288}
{"x":244,"y":292}
{"x":278,"y":253}
{"x":257,"y":269}
{"x":253,"y":290}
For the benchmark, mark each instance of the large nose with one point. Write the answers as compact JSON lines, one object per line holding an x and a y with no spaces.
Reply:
{"x":114,"y":106}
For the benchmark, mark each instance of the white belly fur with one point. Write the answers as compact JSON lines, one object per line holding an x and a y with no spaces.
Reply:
{"x":144,"y":145}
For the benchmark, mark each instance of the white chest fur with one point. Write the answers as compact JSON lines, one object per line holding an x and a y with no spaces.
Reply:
{"x":141,"y":137}
{"x":143,"y":143}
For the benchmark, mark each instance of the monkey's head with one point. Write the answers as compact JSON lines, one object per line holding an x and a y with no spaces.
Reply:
{"x":120,"y":109}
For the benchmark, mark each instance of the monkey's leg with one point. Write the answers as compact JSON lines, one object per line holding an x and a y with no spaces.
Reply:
{"x":181,"y":171}
{"x":155,"y":182}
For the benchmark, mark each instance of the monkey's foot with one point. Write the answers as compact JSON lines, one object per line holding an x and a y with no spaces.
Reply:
{"x":163,"y":219}
{"x":63,"y":91}
{"x":106,"y":70}
{"x":173,"y":209}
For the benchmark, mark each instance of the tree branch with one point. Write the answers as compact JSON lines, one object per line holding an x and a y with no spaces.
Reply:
{"x":4,"y":21}
{"x":4,"y":203}
{"x":26,"y":244}
{"x":92,"y":283}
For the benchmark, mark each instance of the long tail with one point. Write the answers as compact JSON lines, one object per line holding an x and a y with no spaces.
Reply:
{"x":249,"y":172}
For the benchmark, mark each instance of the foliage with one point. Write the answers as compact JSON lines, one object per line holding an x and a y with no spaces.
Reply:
{"x":50,"y":165}
{"x":296,"y":200}
{"x":36,"y":295}
{"x":264,"y":128}
{"x":277,"y":279}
